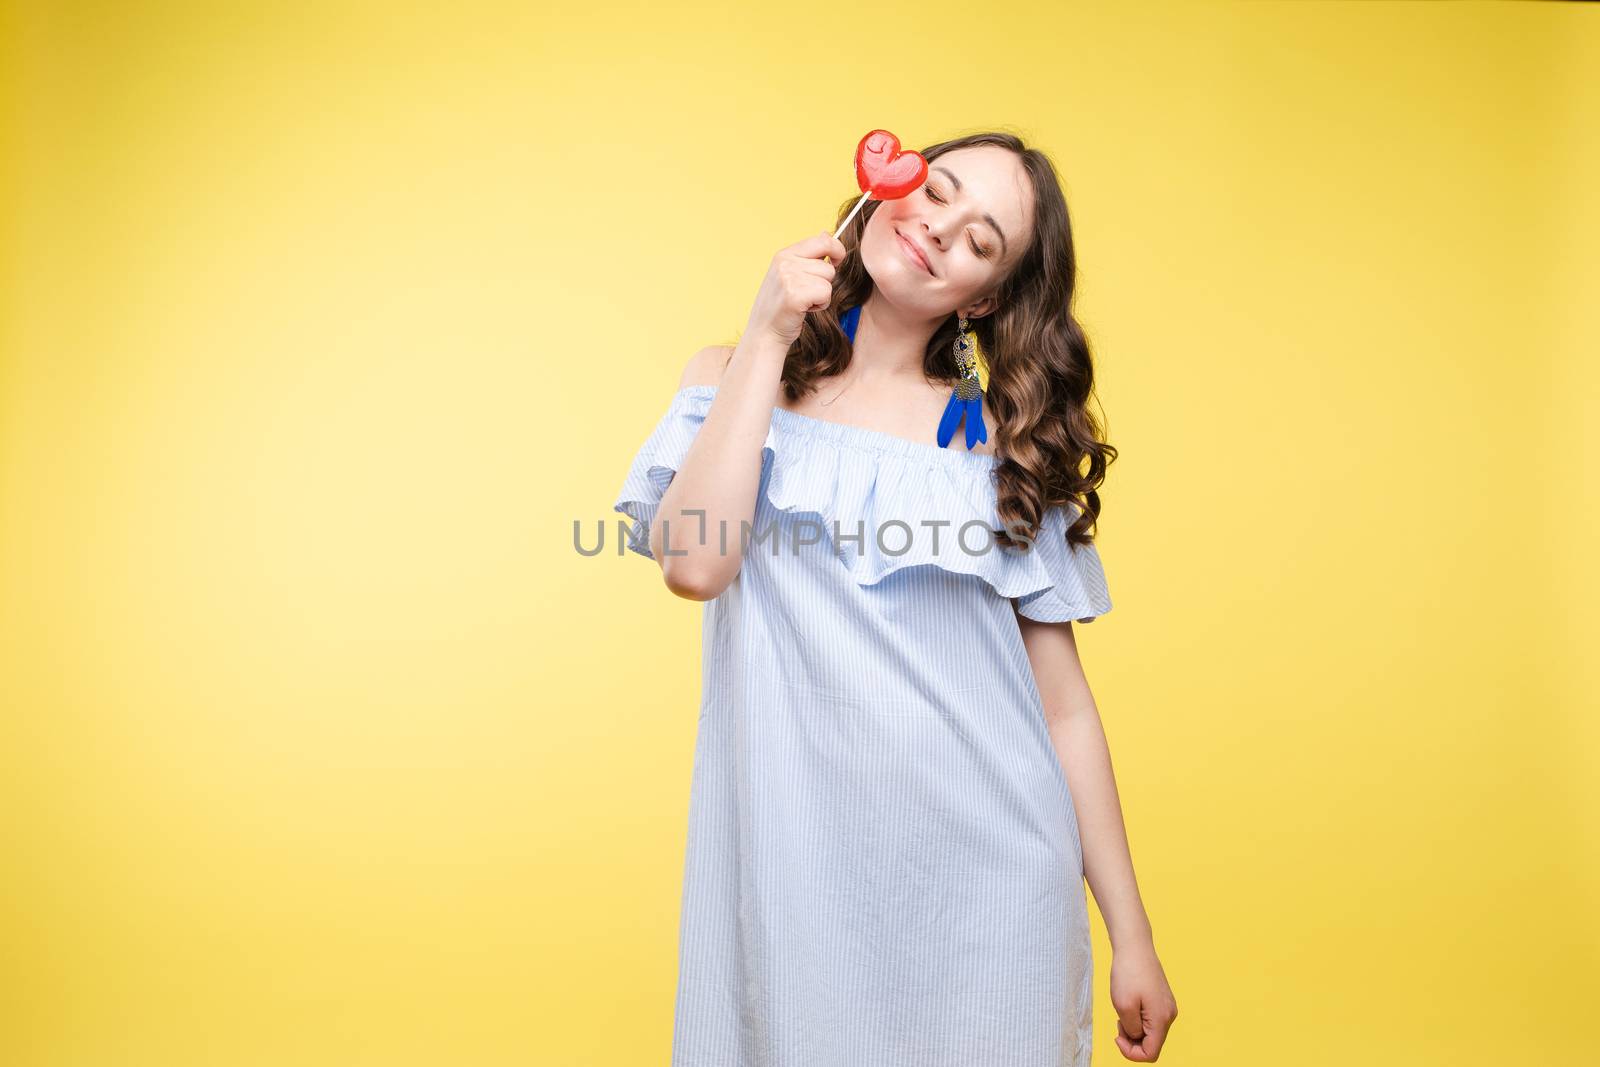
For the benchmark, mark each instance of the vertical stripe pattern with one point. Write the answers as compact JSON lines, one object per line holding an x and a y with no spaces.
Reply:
{"x":883,"y":866}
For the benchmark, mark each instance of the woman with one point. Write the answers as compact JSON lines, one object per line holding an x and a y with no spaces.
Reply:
{"x":900,"y":777}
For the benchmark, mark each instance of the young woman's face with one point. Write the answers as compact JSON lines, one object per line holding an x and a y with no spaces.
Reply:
{"x":972,"y":219}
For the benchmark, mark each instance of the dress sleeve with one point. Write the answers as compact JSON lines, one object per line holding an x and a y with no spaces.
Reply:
{"x":1076,"y":589}
{"x":657,"y":461}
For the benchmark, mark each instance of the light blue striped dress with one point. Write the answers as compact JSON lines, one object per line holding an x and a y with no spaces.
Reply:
{"x":883,"y":866}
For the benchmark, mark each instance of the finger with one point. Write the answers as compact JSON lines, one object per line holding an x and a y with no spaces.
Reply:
{"x":1155,"y":1035}
{"x":1131,"y":1050}
{"x":1131,"y":1020}
{"x":821,"y":249}
{"x":1156,"y":1032}
{"x":821,"y":268}
{"x":1132,"y":1041}
{"x":815,"y":247}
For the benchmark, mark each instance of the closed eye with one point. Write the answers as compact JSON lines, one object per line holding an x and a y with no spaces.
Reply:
{"x":982,"y":253}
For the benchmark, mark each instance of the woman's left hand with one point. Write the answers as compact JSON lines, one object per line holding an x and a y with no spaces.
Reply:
{"x":1143,"y":1000}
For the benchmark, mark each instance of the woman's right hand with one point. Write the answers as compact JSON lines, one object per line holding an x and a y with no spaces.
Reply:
{"x":799,"y":281}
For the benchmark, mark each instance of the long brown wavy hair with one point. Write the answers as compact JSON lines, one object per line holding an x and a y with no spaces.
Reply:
{"x":1041,"y":374}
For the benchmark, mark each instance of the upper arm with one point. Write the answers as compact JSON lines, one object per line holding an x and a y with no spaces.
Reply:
{"x":1052,"y":649}
{"x":705,"y":367}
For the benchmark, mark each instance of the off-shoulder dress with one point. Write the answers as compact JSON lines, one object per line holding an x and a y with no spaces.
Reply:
{"x":883,"y":866}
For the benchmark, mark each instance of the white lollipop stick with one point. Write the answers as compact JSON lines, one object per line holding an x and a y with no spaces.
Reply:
{"x":852,"y":214}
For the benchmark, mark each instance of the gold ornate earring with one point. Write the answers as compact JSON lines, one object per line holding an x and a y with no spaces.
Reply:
{"x":972,"y":381}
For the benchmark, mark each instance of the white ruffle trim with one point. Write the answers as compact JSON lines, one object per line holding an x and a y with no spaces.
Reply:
{"x":859,"y":481}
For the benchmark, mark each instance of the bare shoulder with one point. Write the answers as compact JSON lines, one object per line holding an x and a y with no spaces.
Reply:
{"x":705,"y":367}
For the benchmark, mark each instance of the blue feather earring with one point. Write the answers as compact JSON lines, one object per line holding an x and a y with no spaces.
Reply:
{"x":966,"y":399}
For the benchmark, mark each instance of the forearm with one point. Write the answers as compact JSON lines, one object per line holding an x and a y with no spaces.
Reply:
{"x":697,"y":530}
{"x":1080,"y":743}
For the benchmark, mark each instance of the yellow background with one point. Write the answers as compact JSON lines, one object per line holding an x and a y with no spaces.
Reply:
{"x":323,"y":323}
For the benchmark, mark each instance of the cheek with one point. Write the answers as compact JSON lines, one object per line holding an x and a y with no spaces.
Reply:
{"x":883,"y":225}
{"x":966,"y":272}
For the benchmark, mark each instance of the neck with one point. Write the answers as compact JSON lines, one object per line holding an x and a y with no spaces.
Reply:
{"x":890,"y":344}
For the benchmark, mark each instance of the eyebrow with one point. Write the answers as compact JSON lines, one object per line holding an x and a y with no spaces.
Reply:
{"x":986,"y":218}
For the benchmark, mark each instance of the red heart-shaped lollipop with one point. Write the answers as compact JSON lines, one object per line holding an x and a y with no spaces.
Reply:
{"x":883,"y":171}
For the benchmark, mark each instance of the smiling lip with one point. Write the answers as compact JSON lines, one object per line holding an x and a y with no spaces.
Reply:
{"x":914,"y":251}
